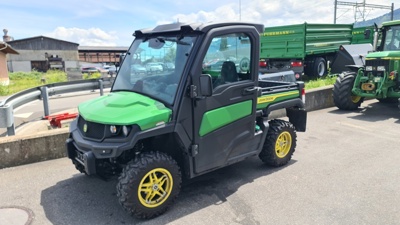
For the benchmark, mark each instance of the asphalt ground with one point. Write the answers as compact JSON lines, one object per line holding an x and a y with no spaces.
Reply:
{"x":345,"y":171}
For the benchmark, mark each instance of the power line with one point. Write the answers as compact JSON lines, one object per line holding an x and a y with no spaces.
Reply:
{"x":361,"y":8}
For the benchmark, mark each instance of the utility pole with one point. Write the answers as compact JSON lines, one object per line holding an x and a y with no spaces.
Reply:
{"x":362,"y":5}
{"x":240,"y":10}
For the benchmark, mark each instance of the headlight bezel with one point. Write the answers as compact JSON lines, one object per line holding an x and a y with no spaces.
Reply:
{"x":126,"y":129}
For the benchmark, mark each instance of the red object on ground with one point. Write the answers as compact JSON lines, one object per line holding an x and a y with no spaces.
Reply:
{"x":55,"y":120}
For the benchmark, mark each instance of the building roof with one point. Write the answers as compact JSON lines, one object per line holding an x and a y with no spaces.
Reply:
{"x":37,"y":37}
{"x":103,"y":48}
{"x":7,"y":49}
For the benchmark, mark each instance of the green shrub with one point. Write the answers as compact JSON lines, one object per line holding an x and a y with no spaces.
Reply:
{"x":4,"y":90}
{"x":34,"y":75}
{"x":87,"y":76}
{"x":54,"y":76}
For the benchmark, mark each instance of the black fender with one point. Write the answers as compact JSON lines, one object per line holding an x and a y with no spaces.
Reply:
{"x":294,"y":111}
{"x":354,"y":68}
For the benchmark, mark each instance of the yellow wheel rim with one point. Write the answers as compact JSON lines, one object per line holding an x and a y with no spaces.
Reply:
{"x":155,"y":187}
{"x":283,"y":144}
{"x":355,"y":99}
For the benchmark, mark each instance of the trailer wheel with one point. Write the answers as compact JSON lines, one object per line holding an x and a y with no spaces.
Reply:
{"x":342,"y":92}
{"x":319,"y":67}
{"x":280,"y":143}
{"x":149,"y":184}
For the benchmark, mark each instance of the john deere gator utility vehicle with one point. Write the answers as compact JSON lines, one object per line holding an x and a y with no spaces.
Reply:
{"x":379,"y":77}
{"x":204,"y":108}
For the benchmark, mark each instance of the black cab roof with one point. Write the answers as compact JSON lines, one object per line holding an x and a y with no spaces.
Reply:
{"x":192,"y":27}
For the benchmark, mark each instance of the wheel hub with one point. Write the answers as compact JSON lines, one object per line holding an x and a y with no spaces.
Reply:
{"x":283,"y":144}
{"x":155,"y":187}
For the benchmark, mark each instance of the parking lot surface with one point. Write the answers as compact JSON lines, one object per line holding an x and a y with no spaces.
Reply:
{"x":345,"y":171}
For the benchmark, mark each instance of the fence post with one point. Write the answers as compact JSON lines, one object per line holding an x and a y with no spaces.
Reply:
{"x":11,"y":130}
{"x":45,"y":96}
{"x":7,"y":119}
{"x":101,"y":86}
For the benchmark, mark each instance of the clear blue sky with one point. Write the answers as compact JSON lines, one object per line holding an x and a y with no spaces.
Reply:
{"x":111,"y":23}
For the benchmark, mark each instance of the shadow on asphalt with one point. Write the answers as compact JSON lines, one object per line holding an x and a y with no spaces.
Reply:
{"x":89,"y":200}
{"x":373,"y":112}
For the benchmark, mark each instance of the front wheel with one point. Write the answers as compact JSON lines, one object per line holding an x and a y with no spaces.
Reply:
{"x":343,"y":96}
{"x":280,"y":143}
{"x":149,"y":184}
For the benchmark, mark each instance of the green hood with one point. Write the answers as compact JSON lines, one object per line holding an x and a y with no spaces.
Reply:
{"x":386,"y":54}
{"x":125,"y":108}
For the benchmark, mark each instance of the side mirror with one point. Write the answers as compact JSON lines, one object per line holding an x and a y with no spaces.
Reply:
{"x":206,"y":85}
{"x":367,"y":34}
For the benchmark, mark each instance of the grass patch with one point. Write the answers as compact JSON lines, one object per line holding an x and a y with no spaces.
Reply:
{"x":320,"y":82}
{"x":20,"y":81}
{"x":87,"y":76}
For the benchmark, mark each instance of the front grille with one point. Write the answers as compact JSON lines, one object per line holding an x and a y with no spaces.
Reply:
{"x":92,"y":130}
{"x":378,"y":62}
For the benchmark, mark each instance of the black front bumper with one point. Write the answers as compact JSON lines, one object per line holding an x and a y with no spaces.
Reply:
{"x":86,"y":153}
{"x":87,"y":159}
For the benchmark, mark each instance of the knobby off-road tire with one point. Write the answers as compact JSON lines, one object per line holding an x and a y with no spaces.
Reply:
{"x":342,"y":94}
{"x":280,"y":143}
{"x":149,"y":184}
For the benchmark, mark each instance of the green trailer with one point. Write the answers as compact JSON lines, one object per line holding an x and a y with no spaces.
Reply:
{"x":304,"y":48}
{"x":359,"y":36}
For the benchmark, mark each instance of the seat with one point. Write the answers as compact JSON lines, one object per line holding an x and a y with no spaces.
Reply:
{"x":228,"y":72}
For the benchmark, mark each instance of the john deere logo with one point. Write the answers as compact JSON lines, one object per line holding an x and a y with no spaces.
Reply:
{"x":85,"y":127}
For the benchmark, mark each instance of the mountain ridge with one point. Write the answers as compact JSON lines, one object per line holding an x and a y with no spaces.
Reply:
{"x":379,"y":20}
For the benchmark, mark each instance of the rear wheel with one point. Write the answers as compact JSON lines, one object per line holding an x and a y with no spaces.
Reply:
{"x":149,"y":184}
{"x":319,"y":67}
{"x":280,"y":143}
{"x":342,"y":92}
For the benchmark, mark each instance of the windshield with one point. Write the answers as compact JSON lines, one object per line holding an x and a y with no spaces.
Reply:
{"x":392,"y":39}
{"x":154,"y":67}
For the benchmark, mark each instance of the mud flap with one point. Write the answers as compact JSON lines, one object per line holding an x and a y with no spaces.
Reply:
{"x":298,"y":117}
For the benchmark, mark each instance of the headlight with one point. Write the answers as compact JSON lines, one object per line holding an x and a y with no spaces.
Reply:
{"x":126,"y":130}
{"x":113,"y":129}
{"x":381,"y":68}
{"x":368,"y":68}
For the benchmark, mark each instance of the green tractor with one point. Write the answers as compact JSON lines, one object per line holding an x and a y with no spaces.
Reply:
{"x":379,"y":77}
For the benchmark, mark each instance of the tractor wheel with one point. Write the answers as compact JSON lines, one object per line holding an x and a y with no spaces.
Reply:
{"x":388,"y":100}
{"x":149,"y":184}
{"x":280,"y":143}
{"x":319,"y":67}
{"x":342,"y":94}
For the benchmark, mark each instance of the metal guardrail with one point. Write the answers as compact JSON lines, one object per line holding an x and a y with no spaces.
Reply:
{"x":43,"y":92}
